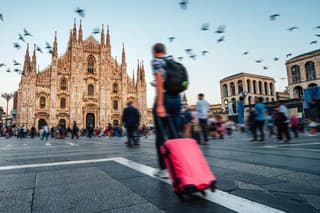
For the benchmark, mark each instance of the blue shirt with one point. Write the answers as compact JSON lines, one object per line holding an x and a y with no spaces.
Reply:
{"x":259,"y":111}
{"x":158,"y":65}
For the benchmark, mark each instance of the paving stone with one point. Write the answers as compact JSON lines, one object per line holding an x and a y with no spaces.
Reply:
{"x":301,"y":177}
{"x":226,"y":184}
{"x":90,"y":196}
{"x":119,"y":171}
{"x":67,"y":176}
{"x":16,"y":201}
{"x":16,"y":181}
{"x":243,"y":185}
{"x":313,"y":200}
{"x":293,"y":188}
{"x":145,"y":208}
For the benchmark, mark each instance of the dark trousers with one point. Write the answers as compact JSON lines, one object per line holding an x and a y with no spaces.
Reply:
{"x":283,"y":129}
{"x":270,"y":128}
{"x":74,"y":133}
{"x":295,"y":130}
{"x":130,"y":135}
{"x":172,"y":105}
{"x":258,"y":126}
{"x":204,"y":127}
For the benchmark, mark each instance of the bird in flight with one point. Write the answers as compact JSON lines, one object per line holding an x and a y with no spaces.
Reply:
{"x":317,"y":27}
{"x":318,"y":35}
{"x":183,"y":4}
{"x":245,"y":53}
{"x":1,"y":17}
{"x":2,"y":65}
{"x":188,"y":51}
{"x":15,"y":63}
{"x":80,"y":12}
{"x":21,"y":37}
{"x":26,"y":33}
{"x":48,"y":46}
{"x":273,"y":17}
{"x":205,"y":27}
{"x":50,"y":51}
{"x":16,"y":45}
{"x":194,"y":57}
{"x":221,"y":39}
{"x":283,"y":78}
{"x":204,"y":52}
{"x":221,"y":29}
{"x":39,"y":49}
{"x":313,"y":42}
{"x":8,"y":70}
{"x":171,"y":39}
{"x":275,"y":59}
{"x":259,"y":61}
{"x":96,"y":30}
{"x":289,"y":54}
{"x":180,"y":58}
{"x":17,"y":70}
{"x":293,"y":28}
{"x":265,"y":67}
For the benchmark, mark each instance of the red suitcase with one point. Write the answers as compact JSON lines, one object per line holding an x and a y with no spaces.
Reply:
{"x":187,"y":166}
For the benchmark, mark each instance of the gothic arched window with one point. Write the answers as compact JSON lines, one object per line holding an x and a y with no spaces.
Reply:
{"x":91,"y":62}
{"x":298,"y":92}
{"x":310,"y":71}
{"x":295,"y":72}
{"x":62,"y":103}
{"x":63,"y":84}
{"x":225,"y":90}
{"x":240,"y":86}
{"x":42,"y":102}
{"x":115,"y":105}
{"x":233,"y":89}
{"x":90,"y":90}
{"x":115,"y":88}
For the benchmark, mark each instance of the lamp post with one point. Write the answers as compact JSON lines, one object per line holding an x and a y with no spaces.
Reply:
{"x":7,"y":97}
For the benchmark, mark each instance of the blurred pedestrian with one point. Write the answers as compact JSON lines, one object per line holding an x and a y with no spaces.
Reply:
{"x":259,"y":110}
{"x":282,"y":121}
{"x":75,"y":130}
{"x":294,"y":125}
{"x":202,"y":107}
{"x":131,"y":120}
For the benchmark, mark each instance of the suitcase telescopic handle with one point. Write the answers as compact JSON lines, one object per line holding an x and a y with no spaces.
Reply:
{"x":171,"y":126}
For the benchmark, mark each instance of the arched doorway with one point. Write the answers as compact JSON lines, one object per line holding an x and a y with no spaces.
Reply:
{"x":298,"y":92}
{"x":63,"y":123}
{"x":41,"y":123}
{"x":115,"y":122}
{"x":312,"y":85}
{"x":90,"y":120}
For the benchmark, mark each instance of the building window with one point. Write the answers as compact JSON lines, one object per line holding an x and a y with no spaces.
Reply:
{"x":272,"y":99}
{"x":260,"y":88}
{"x":254,"y":87}
{"x":42,"y":102}
{"x":265,"y":88}
{"x":90,"y":90}
{"x":115,"y":105}
{"x":62,"y":103}
{"x":298,"y":92}
{"x":233,"y":89}
{"x":240,"y":86}
{"x":295,"y":72}
{"x":63,"y":84}
{"x":267,"y":99}
{"x":271,"y":88}
{"x":312,"y":85}
{"x":91,"y":65}
{"x":310,"y":71}
{"x":115,"y":88}
{"x":248,"y":85}
{"x":225,"y":90}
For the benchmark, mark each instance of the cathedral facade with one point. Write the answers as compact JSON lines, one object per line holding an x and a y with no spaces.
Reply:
{"x":86,"y":84}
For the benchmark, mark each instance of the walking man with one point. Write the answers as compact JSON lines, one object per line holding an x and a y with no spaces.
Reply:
{"x":170,"y":80}
{"x":202,"y":107}
{"x":75,"y":130}
{"x":259,"y":119}
{"x":131,"y":120}
{"x":282,"y":122}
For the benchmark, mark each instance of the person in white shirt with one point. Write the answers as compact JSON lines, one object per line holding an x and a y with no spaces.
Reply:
{"x":202,"y":107}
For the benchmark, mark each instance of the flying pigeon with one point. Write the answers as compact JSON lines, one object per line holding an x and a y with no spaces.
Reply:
{"x":80,"y":12}
{"x":183,"y":4}
{"x":273,"y":17}
{"x":171,"y":39}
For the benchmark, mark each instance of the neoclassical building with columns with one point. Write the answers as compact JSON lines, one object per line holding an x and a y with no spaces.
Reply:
{"x":235,"y":86}
{"x":85,"y":84}
{"x":303,"y":71}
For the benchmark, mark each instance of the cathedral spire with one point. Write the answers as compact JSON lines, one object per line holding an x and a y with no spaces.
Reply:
{"x":26,"y":65}
{"x":74,"y":33}
{"x":138,"y":73}
{"x":123,"y":59}
{"x":80,"y":32}
{"x":143,"y":75}
{"x":133,"y":76}
{"x":55,"y":46}
{"x":108,"y":38}
{"x":34,"y":60}
{"x":102,"y":36}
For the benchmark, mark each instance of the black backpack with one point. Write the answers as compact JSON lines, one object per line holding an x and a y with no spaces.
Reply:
{"x":176,"y":77}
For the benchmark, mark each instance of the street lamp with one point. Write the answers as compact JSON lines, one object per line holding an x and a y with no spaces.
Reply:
{"x":7,"y":97}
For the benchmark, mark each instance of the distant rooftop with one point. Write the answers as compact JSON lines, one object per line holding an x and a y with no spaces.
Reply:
{"x":303,"y":55}
{"x":246,"y":74}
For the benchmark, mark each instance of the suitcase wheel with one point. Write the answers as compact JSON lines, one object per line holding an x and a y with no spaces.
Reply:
{"x":203,"y":193}
{"x":180,"y":196}
{"x":213,"y":186}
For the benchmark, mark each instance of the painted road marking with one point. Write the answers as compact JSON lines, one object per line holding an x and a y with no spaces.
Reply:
{"x":48,"y":144}
{"x":222,"y":198}
{"x":72,"y":144}
{"x":292,"y":144}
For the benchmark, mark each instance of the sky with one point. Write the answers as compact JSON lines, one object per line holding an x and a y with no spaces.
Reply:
{"x":141,"y":23}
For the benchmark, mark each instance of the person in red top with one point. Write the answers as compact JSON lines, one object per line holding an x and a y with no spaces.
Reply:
{"x":294,"y":125}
